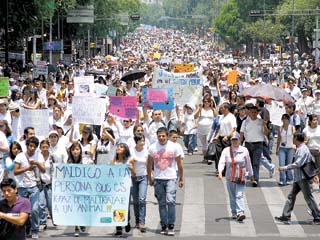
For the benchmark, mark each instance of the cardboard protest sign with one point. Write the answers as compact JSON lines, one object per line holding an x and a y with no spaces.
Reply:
{"x":40,"y":69}
{"x":183,"y":68}
{"x":186,"y":86}
{"x":90,"y":195}
{"x":4,"y":86}
{"x":232,"y":77}
{"x":90,"y":110}
{"x":125,"y":106}
{"x":157,"y":98}
{"x":100,"y":89}
{"x":84,"y":86}
{"x":111,"y":91}
{"x":37,"y":118}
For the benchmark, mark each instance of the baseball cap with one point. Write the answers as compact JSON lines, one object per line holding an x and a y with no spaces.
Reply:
{"x":235,"y":136}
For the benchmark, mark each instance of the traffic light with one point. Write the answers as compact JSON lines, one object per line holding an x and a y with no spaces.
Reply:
{"x":92,"y":45}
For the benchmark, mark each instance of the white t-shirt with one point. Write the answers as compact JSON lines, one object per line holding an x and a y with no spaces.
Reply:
{"x":253,"y":130}
{"x":189,"y":123}
{"x":59,"y":153}
{"x":140,"y":160}
{"x":227,"y":123}
{"x":313,"y":136}
{"x":28,"y":178}
{"x":164,"y":157}
{"x":205,"y":121}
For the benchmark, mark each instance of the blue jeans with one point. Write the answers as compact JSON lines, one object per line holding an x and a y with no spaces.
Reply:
{"x":33,"y":194}
{"x":45,"y":201}
{"x":236,"y":196}
{"x":165,"y":192}
{"x":139,"y":194}
{"x":285,"y":158}
{"x":188,"y":142}
{"x":255,"y":151}
{"x":195,"y":141}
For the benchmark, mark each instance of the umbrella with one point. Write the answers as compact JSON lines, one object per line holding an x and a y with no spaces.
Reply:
{"x":267,"y":91}
{"x":133,"y":75}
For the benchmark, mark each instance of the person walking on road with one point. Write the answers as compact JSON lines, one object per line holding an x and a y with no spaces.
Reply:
{"x":300,"y":183}
{"x":164,"y":154}
{"x":236,"y":159}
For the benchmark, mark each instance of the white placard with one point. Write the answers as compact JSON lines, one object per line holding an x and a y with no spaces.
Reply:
{"x":89,"y":110}
{"x":38,"y":119}
{"x":84,"y":86}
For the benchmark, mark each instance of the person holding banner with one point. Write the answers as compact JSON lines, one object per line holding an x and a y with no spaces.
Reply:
{"x":123,"y":157}
{"x":75,"y":157}
{"x":163,"y":155}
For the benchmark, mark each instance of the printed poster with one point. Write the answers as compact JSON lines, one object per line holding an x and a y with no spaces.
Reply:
{"x":187,"y":87}
{"x":183,"y":68}
{"x":84,"y":86}
{"x":158,"y":98}
{"x":124,"y":106}
{"x":90,"y":195}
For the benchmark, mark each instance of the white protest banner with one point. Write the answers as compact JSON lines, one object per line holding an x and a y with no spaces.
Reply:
{"x":276,"y":110}
{"x":187,"y":86}
{"x":90,"y":195}
{"x":38,"y":119}
{"x":90,"y":110}
{"x":40,"y":69}
{"x":84,"y":86}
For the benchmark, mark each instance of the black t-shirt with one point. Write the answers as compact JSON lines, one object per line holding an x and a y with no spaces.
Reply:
{"x":20,"y":206}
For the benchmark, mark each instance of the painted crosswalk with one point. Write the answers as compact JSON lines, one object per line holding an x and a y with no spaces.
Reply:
{"x":203,"y":207}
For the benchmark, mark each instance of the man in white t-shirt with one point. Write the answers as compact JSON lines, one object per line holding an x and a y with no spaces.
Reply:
{"x":164,"y":155}
{"x":27,"y":167}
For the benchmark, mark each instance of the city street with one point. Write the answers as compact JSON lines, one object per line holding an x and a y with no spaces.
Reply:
{"x":203,"y":211}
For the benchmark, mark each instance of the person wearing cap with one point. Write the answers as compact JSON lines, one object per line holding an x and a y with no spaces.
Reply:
{"x":233,"y":158}
{"x":4,"y":113}
{"x":57,"y":151}
{"x":87,"y":142}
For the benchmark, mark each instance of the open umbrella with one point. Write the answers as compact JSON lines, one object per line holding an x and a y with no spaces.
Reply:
{"x":133,"y":75}
{"x":268,"y":91}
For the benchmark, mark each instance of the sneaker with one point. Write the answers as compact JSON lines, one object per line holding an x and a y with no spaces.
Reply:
{"x":142,"y":228}
{"x":289,"y":183}
{"x":285,"y":220}
{"x":272,"y":172}
{"x":254,"y":184}
{"x":163,"y":229}
{"x":171,"y":230}
{"x":128,"y":227}
{"x":35,"y":236}
{"x":82,"y":229}
{"x":316,"y":222}
{"x":281,"y":183}
{"x":210,"y":162}
{"x":196,"y":150}
{"x":234,"y":216}
{"x":190,"y":154}
{"x":241,"y":217}
{"x":76,"y":233}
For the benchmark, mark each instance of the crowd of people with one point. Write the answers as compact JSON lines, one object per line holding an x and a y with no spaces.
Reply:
{"x":239,"y":127}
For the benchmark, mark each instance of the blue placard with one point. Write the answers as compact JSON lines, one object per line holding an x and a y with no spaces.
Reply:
{"x":158,"y":98}
{"x":90,"y":195}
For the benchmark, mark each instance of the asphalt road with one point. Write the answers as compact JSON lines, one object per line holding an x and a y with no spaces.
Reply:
{"x":203,"y":211}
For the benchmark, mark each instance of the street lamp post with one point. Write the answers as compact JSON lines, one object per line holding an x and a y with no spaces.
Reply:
{"x":292,"y":34}
{"x":6,"y":33}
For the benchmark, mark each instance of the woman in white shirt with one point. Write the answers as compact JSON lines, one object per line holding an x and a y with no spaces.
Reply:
{"x":312,"y":133}
{"x":106,"y":147}
{"x":285,"y":149}
{"x":139,"y":156}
